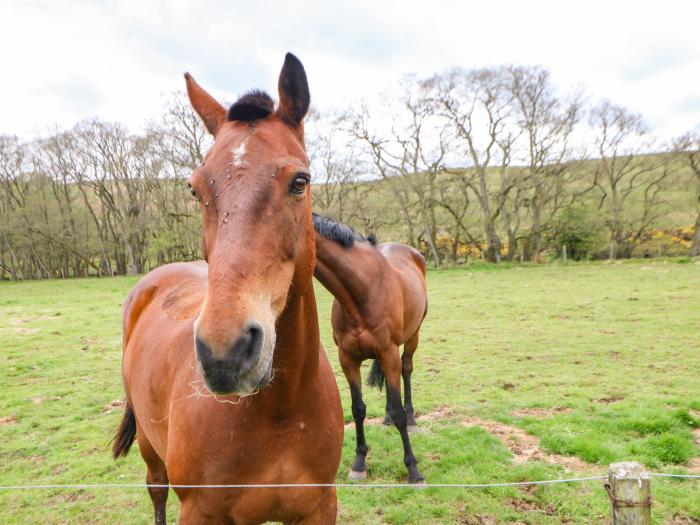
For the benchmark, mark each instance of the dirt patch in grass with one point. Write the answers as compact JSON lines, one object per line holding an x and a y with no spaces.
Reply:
{"x":117,"y":403}
{"x":80,"y":495}
{"x":694,"y":463}
{"x":18,"y":322}
{"x":22,"y":320}
{"x":525,"y":447}
{"x":608,"y":400}
{"x":8,"y":420}
{"x":481,"y":519}
{"x":694,"y":466}
{"x":368,"y":421}
{"x":38,"y":400}
{"x":21,"y":330}
{"x":539,"y":412}
{"x":59,"y":469}
{"x":522,"y":505}
{"x":440,"y":413}
{"x":682,"y":520}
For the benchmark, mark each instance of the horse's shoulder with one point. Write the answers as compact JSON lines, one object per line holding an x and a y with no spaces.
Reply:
{"x":180,"y":286}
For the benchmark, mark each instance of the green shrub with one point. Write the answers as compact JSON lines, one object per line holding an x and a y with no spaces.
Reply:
{"x":581,"y":230}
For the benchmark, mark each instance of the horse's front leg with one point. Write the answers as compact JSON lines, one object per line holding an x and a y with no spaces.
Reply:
{"x":391,"y":364}
{"x":157,"y":475}
{"x":409,"y":349}
{"x":351,"y":369}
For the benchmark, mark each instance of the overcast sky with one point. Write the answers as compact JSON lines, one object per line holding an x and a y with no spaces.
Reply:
{"x":66,"y":61}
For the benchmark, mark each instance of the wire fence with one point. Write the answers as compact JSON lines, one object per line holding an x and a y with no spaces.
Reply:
{"x":362,"y":486}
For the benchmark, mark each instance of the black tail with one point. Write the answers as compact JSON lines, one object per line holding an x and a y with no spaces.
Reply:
{"x":126,"y":434}
{"x":376,"y":375}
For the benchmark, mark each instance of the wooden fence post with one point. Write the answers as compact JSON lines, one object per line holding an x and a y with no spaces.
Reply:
{"x":629,"y":488}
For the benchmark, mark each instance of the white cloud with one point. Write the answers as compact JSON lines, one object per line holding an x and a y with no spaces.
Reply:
{"x":65,"y":61}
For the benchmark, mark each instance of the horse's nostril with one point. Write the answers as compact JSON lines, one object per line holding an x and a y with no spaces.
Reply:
{"x":245,"y":351}
{"x":254,"y":336}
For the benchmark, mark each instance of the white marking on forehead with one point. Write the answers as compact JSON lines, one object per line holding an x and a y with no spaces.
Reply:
{"x":239,"y":155}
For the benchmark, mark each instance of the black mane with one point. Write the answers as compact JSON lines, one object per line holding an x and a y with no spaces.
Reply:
{"x":340,"y":233}
{"x":254,"y":105}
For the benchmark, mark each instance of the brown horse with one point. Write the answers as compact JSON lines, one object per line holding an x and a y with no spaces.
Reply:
{"x":380,"y":303}
{"x":244,"y":326}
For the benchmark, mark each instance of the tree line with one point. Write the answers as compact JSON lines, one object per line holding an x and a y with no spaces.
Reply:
{"x":497,"y":163}
{"x":98,"y":200}
{"x":492,"y":163}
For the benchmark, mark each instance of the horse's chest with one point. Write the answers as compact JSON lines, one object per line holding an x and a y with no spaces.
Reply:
{"x":292,"y":454}
{"x":254,"y":450}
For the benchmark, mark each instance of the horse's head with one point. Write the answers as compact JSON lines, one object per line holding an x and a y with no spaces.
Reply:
{"x":258,"y":234}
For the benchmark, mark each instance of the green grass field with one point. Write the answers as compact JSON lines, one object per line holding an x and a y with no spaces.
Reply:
{"x":597,"y":362}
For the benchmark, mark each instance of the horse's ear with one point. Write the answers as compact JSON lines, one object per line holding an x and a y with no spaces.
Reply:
{"x":293,"y":91}
{"x":210,"y":111}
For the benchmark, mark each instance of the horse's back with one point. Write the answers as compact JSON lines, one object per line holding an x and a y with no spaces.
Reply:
{"x":401,"y":255}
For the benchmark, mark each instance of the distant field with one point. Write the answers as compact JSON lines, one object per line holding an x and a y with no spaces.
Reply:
{"x":523,"y":373}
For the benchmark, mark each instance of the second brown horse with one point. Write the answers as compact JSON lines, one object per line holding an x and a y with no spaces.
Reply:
{"x":380,"y":303}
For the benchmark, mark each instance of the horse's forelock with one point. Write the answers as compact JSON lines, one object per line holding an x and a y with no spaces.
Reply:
{"x":254,"y":105}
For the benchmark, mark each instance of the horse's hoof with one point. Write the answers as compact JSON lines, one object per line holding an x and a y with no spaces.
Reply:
{"x":388,"y":422}
{"x":358,"y":475}
{"x":420,"y":483}
{"x":412,"y":428}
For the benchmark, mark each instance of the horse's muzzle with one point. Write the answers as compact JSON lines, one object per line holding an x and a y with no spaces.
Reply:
{"x":242,"y":369}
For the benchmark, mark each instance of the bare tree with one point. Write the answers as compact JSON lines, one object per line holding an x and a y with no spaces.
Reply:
{"x":14,"y":189}
{"x":122,"y":176}
{"x":180,"y":140}
{"x":689,"y":147}
{"x":454,"y":199}
{"x":410,"y":156}
{"x":548,"y":123}
{"x":478,"y":106}
{"x":625,"y":170}
{"x":55,"y":158}
{"x":359,"y":127}
{"x":337,"y":167}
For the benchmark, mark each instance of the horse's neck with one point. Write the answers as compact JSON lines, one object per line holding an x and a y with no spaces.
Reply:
{"x":344,"y":273}
{"x":296,"y":358}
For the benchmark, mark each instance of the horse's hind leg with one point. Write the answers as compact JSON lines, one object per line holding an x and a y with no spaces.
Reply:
{"x":391,"y":364}
{"x":156,"y":475}
{"x":409,"y":349}
{"x":351,"y":369}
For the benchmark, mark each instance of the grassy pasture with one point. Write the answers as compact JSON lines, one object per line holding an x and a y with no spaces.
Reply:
{"x":600,"y":362}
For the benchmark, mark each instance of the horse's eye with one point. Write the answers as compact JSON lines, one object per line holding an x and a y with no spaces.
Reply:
{"x":299,"y":183}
